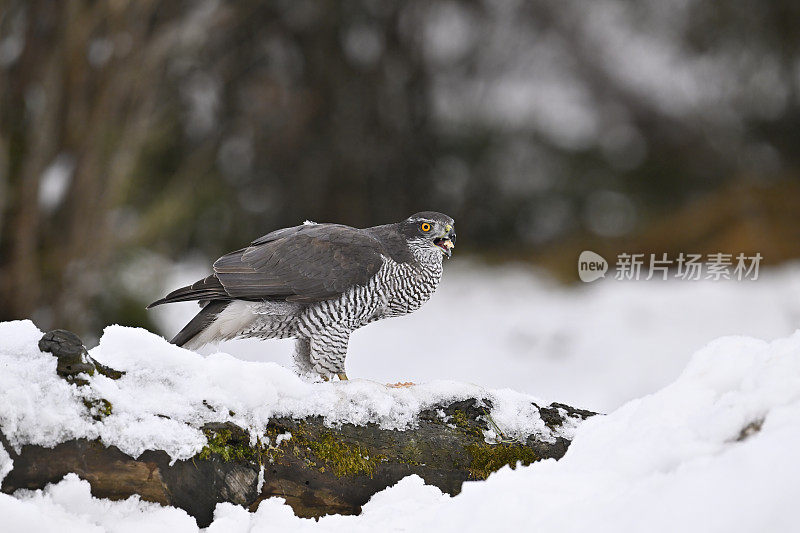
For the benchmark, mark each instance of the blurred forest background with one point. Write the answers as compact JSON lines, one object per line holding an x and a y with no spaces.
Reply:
{"x":135,"y":133}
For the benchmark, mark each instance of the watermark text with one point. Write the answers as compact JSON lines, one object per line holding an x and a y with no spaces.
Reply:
{"x":685,"y":266}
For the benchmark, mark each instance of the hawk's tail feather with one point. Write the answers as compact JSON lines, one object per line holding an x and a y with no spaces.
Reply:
{"x":200,"y":322}
{"x":208,"y":288}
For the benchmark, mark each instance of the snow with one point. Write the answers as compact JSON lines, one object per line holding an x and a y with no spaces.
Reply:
{"x":261,"y":480}
{"x":594,"y":346}
{"x":6,"y":464}
{"x":167,"y":393}
{"x":69,"y":507}
{"x":670,"y":461}
{"x":713,"y":449}
{"x":28,"y":381}
{"x":680,"y":459}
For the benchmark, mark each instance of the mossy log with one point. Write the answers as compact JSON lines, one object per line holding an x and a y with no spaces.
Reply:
{"x":318,"y":470}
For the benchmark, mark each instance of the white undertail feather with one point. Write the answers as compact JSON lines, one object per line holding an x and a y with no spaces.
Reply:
{"x":236,"y":317}
{"x":248,"y":319}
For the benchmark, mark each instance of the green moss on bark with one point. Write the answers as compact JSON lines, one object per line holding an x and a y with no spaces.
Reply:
{"x":328,"y":452}
{"x":488,"y":458}
{"x":221,"y":444}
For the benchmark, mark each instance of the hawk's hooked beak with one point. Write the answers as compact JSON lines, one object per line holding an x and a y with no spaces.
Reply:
{"x":446,"y":241}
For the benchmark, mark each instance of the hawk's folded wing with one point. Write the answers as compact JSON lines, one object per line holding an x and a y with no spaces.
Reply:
{"x":307,"y":263}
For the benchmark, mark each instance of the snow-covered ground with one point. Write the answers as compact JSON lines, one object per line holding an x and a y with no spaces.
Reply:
{"x":594,"y":346}
{"x":714,"y":451}
{"x":675,"y":459}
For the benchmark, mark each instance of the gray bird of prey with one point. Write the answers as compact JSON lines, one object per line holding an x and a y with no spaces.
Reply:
{"x":318,"y":283}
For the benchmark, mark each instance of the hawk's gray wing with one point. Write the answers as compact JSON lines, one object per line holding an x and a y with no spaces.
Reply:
{"x":306,"y":263}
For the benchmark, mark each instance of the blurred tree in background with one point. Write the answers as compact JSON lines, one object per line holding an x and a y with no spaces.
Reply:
{"x":130,"y":128}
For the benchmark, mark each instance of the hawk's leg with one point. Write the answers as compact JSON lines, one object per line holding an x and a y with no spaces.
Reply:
{"x":328,"y":351}
{"x":342,"y":377}
{"x":302,"y":356}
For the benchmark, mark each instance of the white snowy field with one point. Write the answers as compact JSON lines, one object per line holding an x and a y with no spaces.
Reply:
{"x":594,"y":346}
{"x":701,"y":434}
{"x":713,"y":451}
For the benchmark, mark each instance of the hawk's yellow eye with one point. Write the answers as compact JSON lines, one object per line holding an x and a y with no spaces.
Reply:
{"x":425,"y":226}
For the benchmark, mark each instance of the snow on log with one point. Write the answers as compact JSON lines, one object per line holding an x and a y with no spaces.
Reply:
{"x":140,"y":416}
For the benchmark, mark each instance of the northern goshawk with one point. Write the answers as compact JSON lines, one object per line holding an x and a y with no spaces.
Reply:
{"x":318,"y":283}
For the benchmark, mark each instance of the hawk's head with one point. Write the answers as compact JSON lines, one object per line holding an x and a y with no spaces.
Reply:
{"x":432,"y":229}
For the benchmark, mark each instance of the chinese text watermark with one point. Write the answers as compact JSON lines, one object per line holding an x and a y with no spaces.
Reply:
{"x":691,"y":267}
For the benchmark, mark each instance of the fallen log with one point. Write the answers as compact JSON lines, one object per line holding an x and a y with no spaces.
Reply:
{"x":317,"y":469}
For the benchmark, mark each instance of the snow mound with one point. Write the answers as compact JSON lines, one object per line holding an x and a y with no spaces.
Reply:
{"x":68,"y":507}
{"x":713,"y":452}
{"x":167,"y":393}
